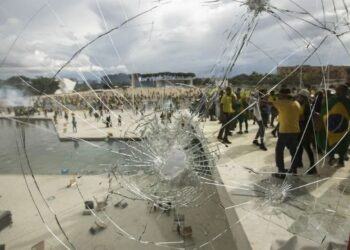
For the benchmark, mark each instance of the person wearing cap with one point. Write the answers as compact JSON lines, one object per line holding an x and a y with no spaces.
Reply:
{"x":289,"y":112}
{"x":306,"y":135}
{"x":335,"y":138}
{"x":226,"y":115}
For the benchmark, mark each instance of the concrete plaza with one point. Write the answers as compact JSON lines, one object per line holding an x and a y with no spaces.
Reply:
{"x":317,"y":210}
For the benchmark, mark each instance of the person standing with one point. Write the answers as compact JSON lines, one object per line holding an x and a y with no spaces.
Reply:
{"x":318,"y":100}
{"x":74,"y":124}
{"x":168,"y":116}
{"x":306,"y":135}
{"x":226,"y":112}
{"x":289,"y":112}
{"x":273,"y":110}
{"x":97,"y":116}
{"x":243,"y":118}
{"x":336,"y":117}
{"x":274,"y":114}
{"x":211,"y":103}
{"x":66,"y":115}
{"x":55,"y":116}
{"x":255,"y":98}
{"x":119,"y":121}
{"x":108,"y":121}
{"x":264,"y":108}
{"x":162,"y":117}
{"x":91,"y":110}
{"x":218,"y":103}
{"x":101,"y":110}
{"x":235,"y":108}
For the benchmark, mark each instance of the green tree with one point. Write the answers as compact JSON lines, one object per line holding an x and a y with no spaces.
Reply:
{"x":44,"y":85}
{"x":17,"y":82}
{"x":17,"y":79}
{"x":197,"y":81}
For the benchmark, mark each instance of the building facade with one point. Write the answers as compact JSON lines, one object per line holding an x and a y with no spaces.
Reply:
{"x":334,"y":74}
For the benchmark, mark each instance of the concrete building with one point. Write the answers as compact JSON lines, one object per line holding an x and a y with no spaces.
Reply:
{"x":334,"y":74}
{"x":223,"y":83}
{"x":165,"y":79}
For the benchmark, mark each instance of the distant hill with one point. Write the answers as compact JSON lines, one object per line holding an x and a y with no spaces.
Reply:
{"x":17,"y":83}
{"x":23,"y":84}
{"x":116,"y":79}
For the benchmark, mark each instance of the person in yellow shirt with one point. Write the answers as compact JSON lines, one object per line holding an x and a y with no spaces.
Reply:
{"x":289,"y":112}
{"x":226,"y":115}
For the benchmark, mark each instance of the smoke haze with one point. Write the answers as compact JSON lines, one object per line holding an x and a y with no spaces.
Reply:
{"x":13,"y":97}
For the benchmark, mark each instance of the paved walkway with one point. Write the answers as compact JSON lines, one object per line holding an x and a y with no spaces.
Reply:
{"x":128,"y":228}
{"x":89,"y":128}
{"x":309,"y":212}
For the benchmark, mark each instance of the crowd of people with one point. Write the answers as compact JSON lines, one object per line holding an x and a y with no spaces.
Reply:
{"x":303,"y":120}
{"x":99,"y":104}
{"x":119,"y":99}
{"x":314,"y":122}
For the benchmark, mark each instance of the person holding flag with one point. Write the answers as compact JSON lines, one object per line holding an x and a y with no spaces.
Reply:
{"x":335,"y":137}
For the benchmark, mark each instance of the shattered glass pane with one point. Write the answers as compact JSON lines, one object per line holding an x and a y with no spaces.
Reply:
{"x":166,"y":165}
{"x":140,"y":166}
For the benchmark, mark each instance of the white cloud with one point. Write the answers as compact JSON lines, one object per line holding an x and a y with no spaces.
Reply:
{"x":121,"y":69}
{"x":12,"y":21}
{"x":182,"y":35}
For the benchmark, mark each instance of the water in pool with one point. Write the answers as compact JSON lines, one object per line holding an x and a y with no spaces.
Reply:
{"x":48,"y":155}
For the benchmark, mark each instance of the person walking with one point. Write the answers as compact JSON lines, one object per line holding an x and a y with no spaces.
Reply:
{"x":289,"y":112}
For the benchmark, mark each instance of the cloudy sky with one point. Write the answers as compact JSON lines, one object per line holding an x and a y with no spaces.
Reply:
{"x":39,"y":36}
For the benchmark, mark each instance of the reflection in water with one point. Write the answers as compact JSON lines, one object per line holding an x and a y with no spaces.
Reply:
{"x":50,"y":156}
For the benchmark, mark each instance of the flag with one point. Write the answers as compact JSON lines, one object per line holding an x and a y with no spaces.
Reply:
{"x":336,"y":124}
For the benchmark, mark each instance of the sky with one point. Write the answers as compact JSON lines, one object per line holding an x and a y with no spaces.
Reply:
{"x":39,"y":36}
